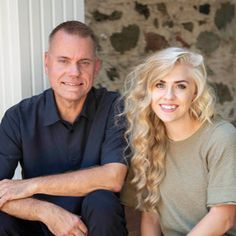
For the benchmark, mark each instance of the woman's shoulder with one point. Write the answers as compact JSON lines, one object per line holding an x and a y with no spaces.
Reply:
{"x":221,"y":127}
{"x":219,"y":131}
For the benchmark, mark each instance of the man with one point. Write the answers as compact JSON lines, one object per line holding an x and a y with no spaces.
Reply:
{"x":70,"y":146}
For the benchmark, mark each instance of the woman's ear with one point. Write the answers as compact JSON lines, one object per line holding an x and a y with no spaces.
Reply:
{"x":195,"y":92}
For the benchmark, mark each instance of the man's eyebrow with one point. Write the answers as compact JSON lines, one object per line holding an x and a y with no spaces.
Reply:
{"x":85,"y":59}
{"x":82,"y":59}
{"x":63,"y":57}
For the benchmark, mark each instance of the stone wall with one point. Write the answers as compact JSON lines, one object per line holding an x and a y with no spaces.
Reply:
{"x":130,"y":30}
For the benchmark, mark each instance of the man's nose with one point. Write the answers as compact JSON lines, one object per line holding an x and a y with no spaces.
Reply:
{"x":74,"y":70}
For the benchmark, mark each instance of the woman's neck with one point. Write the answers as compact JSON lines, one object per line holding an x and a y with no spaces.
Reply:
{"x":182,"y":130}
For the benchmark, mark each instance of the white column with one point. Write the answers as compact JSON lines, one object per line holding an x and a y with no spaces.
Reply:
{"x":10,"y":70}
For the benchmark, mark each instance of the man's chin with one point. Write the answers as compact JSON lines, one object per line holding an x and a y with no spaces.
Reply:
{"x":71,"y":97}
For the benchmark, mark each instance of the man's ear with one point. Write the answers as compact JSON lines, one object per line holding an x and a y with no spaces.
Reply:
{"x":46,"y":62}
{"x":98,"y":65}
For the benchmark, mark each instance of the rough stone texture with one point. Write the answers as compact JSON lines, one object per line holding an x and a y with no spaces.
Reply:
{"x":223,"y":93}
{"x":115,"y":15}
{"x":130,"y":30}
{"x":113,"y":74}
{"x":155,"y":42}
{"x":224,"y":15}
{"x":126,"y":39}
{"x":188,"y":26}
{"x":208,"y":42}
{"x":142,"y":9}
{"x":205,"y":9}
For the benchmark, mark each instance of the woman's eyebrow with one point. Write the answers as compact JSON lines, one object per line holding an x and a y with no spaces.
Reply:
{"x":181,"y":81}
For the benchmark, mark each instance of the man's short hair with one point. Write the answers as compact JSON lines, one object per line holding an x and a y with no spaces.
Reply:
{"x":75,"y":28}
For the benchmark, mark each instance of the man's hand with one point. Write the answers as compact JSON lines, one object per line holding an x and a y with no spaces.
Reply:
{"x":15,"y":189}
{"x":63,"y":223}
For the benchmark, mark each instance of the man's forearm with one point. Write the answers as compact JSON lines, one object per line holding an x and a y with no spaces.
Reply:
{"x":58,"y":220}
{"x":80,"y":183}
{"x":28,"y":209}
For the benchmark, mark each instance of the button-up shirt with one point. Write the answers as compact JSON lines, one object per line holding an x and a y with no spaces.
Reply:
{"x":33,"y":134}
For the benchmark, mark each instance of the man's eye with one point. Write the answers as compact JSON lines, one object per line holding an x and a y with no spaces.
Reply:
{"x":160,"y":85}
{"x":181,"y":86}
{"x":62,"y":61}
{"x":84,"y":63}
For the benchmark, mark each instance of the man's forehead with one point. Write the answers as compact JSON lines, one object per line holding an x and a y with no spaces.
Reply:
{"x":62,"y":34}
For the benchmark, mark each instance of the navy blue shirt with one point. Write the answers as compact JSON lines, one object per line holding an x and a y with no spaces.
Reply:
{"x":33,"y":134}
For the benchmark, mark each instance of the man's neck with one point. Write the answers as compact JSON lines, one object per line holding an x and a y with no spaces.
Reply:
{"x":69,"y":110}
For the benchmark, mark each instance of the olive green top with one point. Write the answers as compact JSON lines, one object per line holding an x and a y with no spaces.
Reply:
{"x":200,"y":173}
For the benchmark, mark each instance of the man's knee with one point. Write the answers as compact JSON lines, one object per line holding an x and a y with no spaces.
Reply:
{"x":12,"y":226}
{"x":7,"y":224}
{"x":102,"y":202}
{"x":103,"y":214}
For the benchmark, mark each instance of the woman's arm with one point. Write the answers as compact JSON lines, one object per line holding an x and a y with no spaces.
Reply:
{"x":218,"y":221}
{"x":150,"y":225}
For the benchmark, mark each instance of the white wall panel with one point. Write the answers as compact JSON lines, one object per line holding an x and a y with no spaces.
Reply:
{"x":25,"y":47}
{"x":10,"y":71}
{"x":36,"y":46}
{"x":68,"y":9}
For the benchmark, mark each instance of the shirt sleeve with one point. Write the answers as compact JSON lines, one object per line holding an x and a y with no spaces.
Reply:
{"x":10,"y":151}
{"x":221,"y":159}
{"x":114,"y":144}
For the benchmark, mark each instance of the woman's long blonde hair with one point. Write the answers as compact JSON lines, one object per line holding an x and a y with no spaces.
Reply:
{"x":146,"y":133}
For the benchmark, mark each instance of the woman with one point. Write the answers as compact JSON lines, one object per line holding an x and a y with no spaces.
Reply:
{"x":183,"y":155}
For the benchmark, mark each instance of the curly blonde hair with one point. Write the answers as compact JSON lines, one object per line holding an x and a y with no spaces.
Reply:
{"x":146,"y":133}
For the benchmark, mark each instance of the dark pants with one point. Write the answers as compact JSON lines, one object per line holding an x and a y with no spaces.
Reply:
{"x":100,"y":211}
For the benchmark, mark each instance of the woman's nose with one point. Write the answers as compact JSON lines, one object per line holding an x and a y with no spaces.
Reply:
{"x":169,"y":93}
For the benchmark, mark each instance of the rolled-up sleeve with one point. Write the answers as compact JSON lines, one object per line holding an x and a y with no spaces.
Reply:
{"x":222,"y":168}
{"x":114,"y":144}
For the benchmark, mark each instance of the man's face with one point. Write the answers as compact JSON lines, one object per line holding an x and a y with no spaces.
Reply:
{"x":71,"y":66}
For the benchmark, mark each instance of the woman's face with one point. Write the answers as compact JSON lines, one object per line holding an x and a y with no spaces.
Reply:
{"x":173,"y":95}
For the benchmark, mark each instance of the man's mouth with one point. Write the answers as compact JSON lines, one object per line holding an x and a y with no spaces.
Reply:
{"x":72,"y":84}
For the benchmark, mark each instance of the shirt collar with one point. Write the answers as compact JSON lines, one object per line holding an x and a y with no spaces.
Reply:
{"x":89,"y":107}
{"x":51,"y":114}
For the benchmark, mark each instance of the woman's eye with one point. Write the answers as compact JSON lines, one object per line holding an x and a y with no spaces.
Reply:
{"x":181,"y":86}
{"x":160,"y":85}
